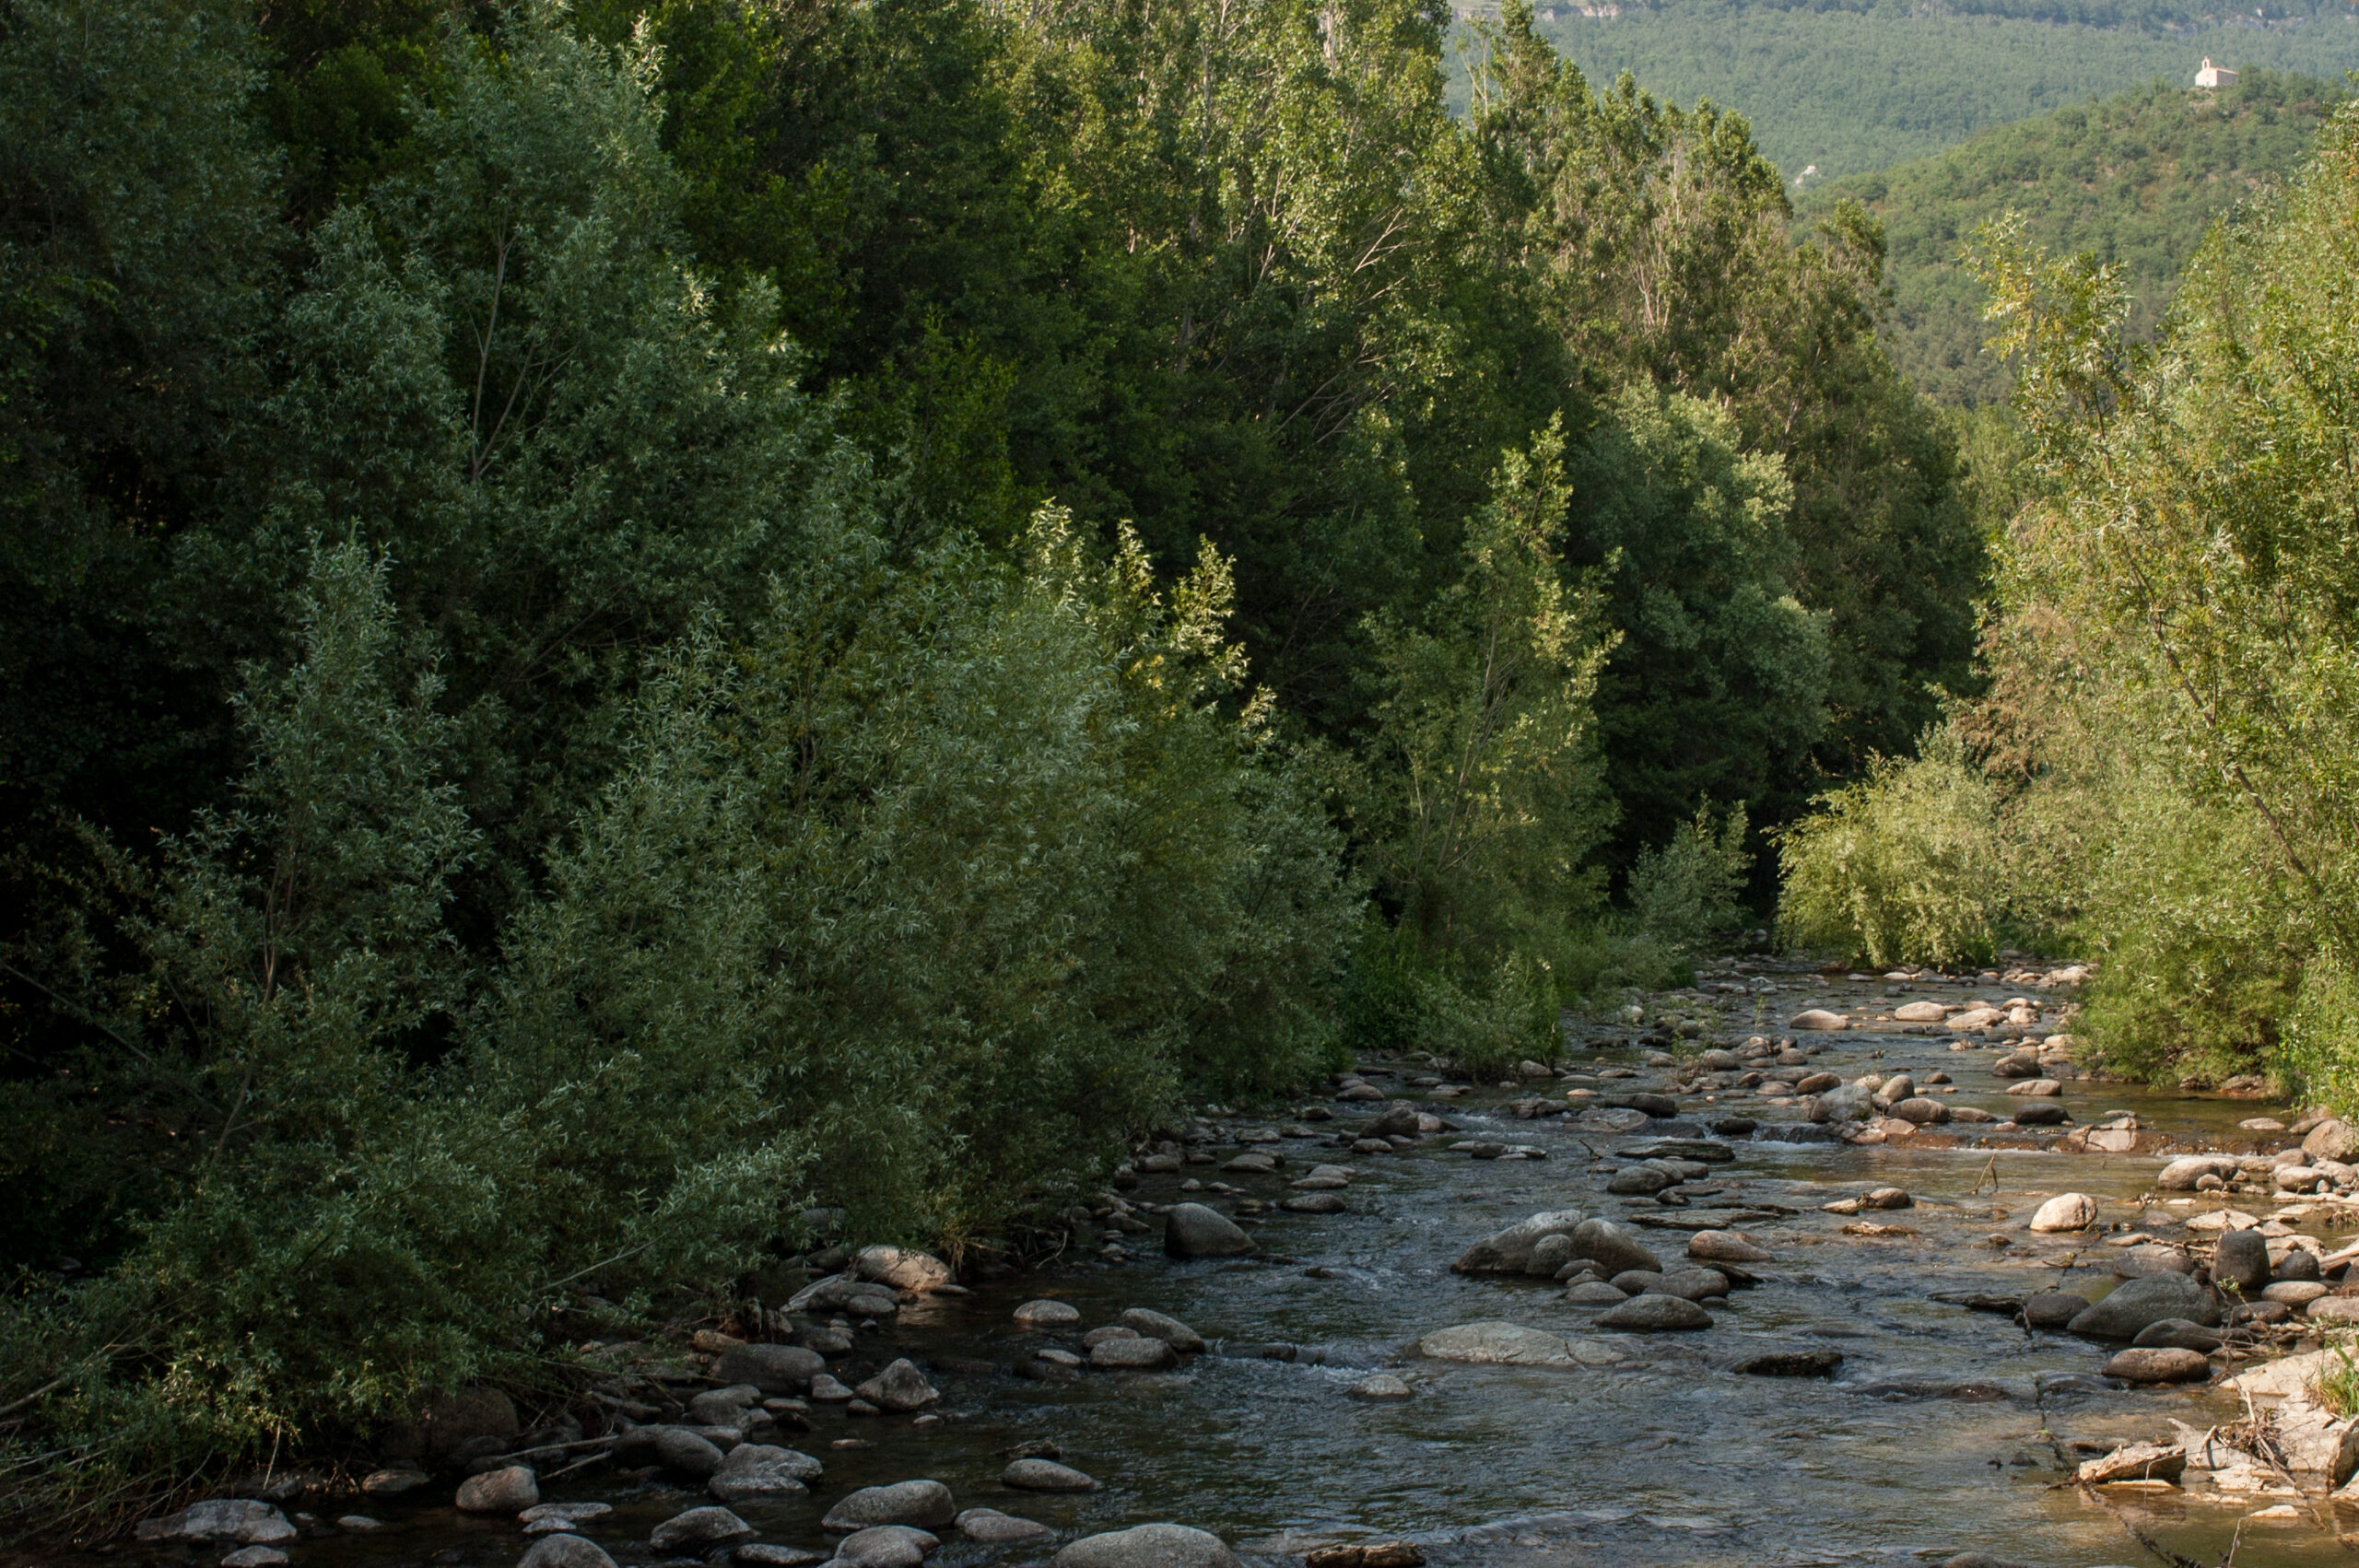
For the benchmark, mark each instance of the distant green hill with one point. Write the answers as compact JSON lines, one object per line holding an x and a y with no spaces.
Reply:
{"x":1856,"y":85}
{"x":2136,"y":177}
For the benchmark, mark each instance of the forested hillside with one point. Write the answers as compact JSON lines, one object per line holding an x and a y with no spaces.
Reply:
{"x":614,"y":624}
{"x":2136,"y":180}
{"x":1853,"y":86}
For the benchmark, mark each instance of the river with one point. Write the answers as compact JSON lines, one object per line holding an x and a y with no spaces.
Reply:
{"x":1934,"y":1437}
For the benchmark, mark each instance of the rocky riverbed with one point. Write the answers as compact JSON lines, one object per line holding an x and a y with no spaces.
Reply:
{"x":1787,"y":1268}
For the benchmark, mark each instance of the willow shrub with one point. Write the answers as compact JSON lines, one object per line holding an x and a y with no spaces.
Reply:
{"x":1904,"y":866}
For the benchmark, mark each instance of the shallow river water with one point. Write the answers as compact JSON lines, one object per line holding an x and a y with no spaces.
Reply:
{"x":1934,"y":1437}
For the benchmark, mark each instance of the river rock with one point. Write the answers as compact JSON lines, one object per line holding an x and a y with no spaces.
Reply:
{"x":2035,"y":1088}
{"x":1818,"y":1018}
{"x":564,"y":1551}
{"x":1550,"y":1256}
{"x":991,"y":1524}
{"x":923,"y":1505}
{"x":1497,"y":1344}
{"x":900,"y":1386}
{"x":2333,"y":1309}
{"x":238,"y":1519}
{"x":2177,"y":1333}
{"x":1846,"y":1102}
{"x":1147,"y":1546}
{"x":1640,"y":1181}
{"x":1919,"y":1012}
{"x":2299,"y":1265}
{"x":699,"y":1528}
{"x":1133,"y":1352}
{"x":1635,"y":1282}
{"x":1383,"y":1385}
{"x":2066,"y":1211}
{"x":826,"y":1390}
{"x":773,"y":1369}
{"x":511,"y":1488}
{"x":2295,"y":1292}
{"x":255,"y":1557}
{"x":1655,"y":1313}
{"x":2138,"y":1302}
{"x":1314,"y":1203}
{"x":1692,"y":1284}
{"x":2181,"y":1175}
{"x":2332,"y":1138}
{"x":2158,"y":1365}
{"x":1509,"y":1251}
{"x":1922,"y":1112}
{"x":1817,"y":1083}
{"x":1045,"y":1475}
{"x":1725,"y":1246}
{"x":1047,"y":1314}
{"x":2053,"y":1309}
{"x":2150,"y":1257}
{"x":1160,"y":1325}
{"x":752,"y":1472}
{"x":771,"y":1554}
{"x":678,"y":1449}
{"x":2137,"y":1461}
{"x":1596,"y":1292}
{"x":2242,"y":1260}
{"x":904,"y":1270}
{"x":1612,"y":1248}
{"x":1791,"y":1364}
{"x":847,"y":1294}
{"x":886,"y":1546}
{"x":1190,"y":1230}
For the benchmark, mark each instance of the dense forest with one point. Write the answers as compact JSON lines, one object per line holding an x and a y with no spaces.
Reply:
{"x":1849,"y":89}
{"x":2135,"y":180}
{"x":617,"y":625}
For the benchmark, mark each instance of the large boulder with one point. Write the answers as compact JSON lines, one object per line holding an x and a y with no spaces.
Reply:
{"x":902,"y":1268}
{"x":1147,"y":1546}
{"x":774,"y":1369}
{"x":1612,"y":1248}
{"x":922,"y":1504}
{"x":2332,"y":1139}
{"x":2138,"y":1302}
{"x":1190,"y":1230}
{"x":1509,"y":1251}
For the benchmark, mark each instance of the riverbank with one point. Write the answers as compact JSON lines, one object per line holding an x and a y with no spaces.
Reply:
{"x":1943,"y":1429}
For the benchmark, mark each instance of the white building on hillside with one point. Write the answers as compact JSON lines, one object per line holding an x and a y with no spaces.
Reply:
{"x":2214,"y":76}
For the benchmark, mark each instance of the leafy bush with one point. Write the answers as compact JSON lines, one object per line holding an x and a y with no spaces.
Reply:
{"x":1687,"y":890}
{"x":1905,"y":866}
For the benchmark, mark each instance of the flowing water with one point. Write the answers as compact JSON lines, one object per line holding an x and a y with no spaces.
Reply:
{"x":1944,"y":1431}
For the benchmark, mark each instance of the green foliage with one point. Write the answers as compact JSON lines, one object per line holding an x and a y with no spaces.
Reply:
{"x":2135,"y":179}
{"x":1686,"y":892}
{"x":1862,"y":85}
{"x":1903,"y":866}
